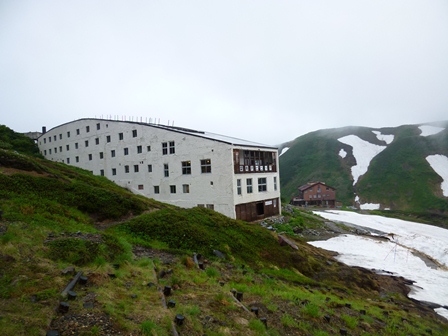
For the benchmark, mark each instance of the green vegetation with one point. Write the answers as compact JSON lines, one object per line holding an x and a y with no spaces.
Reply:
{"x":399,"y":177}
{"x":314,"y":157}
{"x":56,"y":217}
{"x":18,"y":142}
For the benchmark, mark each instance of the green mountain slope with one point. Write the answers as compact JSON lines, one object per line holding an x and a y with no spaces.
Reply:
{"x":55,"y":217}
{"x":398,"y":178}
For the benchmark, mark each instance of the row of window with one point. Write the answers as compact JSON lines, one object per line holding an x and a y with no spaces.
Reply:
{"x":78,"y":132}
{"x":206,"y":166}
{"x":262,"y":185}
{"x":318,"y":189}
{"x":319,"y":196}
{"x":139,"y":149}
{"x":173,"y":189}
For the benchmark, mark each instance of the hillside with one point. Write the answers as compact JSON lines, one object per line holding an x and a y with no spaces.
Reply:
{"x":387,"y":167}
{"x":138,"y":259}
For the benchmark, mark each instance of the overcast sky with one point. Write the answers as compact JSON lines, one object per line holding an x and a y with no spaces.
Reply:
{"x":266,"y":71}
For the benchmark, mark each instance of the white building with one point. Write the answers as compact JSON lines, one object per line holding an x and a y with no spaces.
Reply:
{"x":183,"y":167}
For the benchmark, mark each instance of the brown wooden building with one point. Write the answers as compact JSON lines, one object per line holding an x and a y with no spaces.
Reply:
{"x":315,"y":194}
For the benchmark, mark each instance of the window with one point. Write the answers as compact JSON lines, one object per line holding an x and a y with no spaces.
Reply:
{"x":108,"y":138}
{"x":76,"y":145}
{"x":55,"y":150}
{"x":275,"y":183}
{"x":172,"y":149}
{"x":87,"y":129}
{"x":90,"y":157}
{"x":134,"y":133}
{"x":126,"y":151}
{"x":148,"y":148}
{"x":206,"y":166}
{"x":55,"y":138}
{"x":77,"y":131}
{"x":60,"y":136}
{"x":102,"y":172}
{"x":135,"y":168}
{"x":149,"y":168}
{"x":238,"y":186}
{"x":67,"y":147}
{"x":101,"y":155}
{"x":45,"y":152}
{"x":210,"y":206}
{"x":76,"y":158}
{"x":114,"y":171}
{"x":68,"y":134}
{"x":126,"y":169}
{"x":112,"y":153}
{"x":97,"y":141}
{"x":156,"y":189}
{"x":139,"y":149}
{"x":262,"y":184}
{"x":164,"y":148}
{"x":87,"y":143}
{"x":98,"y":126}
{"x":166,"y":170}
{"x":49,"y":151}
{"x":140,"y":187}
{"x":186,"y":167}
{"x":68,"y":160}
{"x":254,"y":161}
{"x":186,"y":188}
{"x":120,"y":136}
{"x":45,"y":140}
{"x":60,"y":149}
{"x":249,"y":185}
{"x":172,"y":189}
{"x":49,"y":139}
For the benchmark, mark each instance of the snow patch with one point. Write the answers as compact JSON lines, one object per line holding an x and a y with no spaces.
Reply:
{"x":387,"y":138}
{"x":399,"y":255}
{"x":342,"y":153}
{"x":363,"y":152}
{"x":430,"y":130}
{"x":284,"y":150}
{"x":442,"y":311}
{"x":440,"y":165}
{"x":369,"y":206}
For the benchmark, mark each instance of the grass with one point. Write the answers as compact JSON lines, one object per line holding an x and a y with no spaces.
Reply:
{"x":350,"y":321}
{"x":41,"y":238}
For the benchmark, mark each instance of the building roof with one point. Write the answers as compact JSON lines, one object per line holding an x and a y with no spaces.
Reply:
{"x":312,"y":184}
{"x":201,"y":134}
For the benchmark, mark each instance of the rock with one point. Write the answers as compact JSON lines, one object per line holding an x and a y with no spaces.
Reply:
{"x":70,"y":270}
{"x":219,"y":254}
{"x":241,"y":321}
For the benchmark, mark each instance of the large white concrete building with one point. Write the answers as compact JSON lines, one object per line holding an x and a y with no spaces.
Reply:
{"x":184,"y":167}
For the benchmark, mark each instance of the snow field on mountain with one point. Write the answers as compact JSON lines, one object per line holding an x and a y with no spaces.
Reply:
{"x":427,"y":130}
{"x":404,"y":254}
{"x":363,"y":151}
{"x":387,"y":138}
{"x":440,"y":165}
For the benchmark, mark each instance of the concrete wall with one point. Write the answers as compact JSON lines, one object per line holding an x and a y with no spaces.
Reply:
{"x":217,"y":188}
